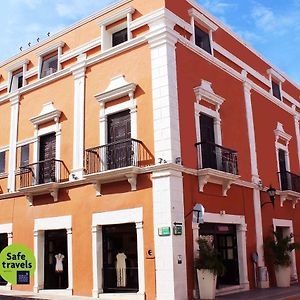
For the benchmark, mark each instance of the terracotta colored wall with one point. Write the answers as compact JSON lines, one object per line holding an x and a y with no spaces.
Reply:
{"x":232,"y":110}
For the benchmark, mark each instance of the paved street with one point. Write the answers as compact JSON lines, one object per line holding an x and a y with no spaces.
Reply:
{"x":291,"y":293}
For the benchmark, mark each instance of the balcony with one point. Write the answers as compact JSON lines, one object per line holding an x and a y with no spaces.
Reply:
{"x":122,"y":160}
{"x":290,"y":187}
{"x":42,"y":178}
{"x":216,"y":164}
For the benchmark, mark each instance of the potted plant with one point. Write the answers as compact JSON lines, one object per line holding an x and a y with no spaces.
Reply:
{"x":208,"y":265}
{"x":280,"y":249}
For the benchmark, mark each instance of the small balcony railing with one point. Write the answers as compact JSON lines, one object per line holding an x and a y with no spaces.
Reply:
{"x":216,"y":157}
{"x":121,"y":154}
{"x":46,"y":171}
{"x":289,"y":181}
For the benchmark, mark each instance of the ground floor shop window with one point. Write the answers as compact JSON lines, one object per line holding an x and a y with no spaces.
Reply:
{"x":120,"y":258}
{"x":56,"y":259}
{"x":3,"y":244}
{"x":225,"y":241}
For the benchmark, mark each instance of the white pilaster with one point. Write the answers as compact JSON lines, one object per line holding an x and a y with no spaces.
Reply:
{"x":255,"y":179}
{"x":171,"y":278}
{"x":251,"y":132}
{"x":97,"y":260}
{"x":79,"y":97}
{"x":70,"y":259}
{"x":38,"y":240}
{"x":14,"y":115}
{"x":164,"y":90}
{"x":296,"y":118}
{"x":141,"y":257}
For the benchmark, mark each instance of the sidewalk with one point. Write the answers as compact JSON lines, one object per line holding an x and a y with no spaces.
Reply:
{"x":291,"y":293}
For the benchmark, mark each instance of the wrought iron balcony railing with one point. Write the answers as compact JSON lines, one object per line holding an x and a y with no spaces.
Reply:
{"x":216,"y":157}
{"x":46,"y":171}
{"x":121,"y":154}
{"x":289,"y":181}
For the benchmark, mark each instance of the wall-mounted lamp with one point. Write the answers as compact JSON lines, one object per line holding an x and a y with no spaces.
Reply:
{"x":271,"y":192}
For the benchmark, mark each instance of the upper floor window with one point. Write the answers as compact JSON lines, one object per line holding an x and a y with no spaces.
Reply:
{"x":24,"y":155}
{"x":119,"y":37}
{"x":115,"y":29}
{"x":203,"y":29}
{"x":16,"y":80}
{"x":2,"y":162}
{"x":276,"y":90}
{"x":49,"y":64}
{"x":17,"y":75}
{"x":202,"y":39}
{"x":49,"y":59}
{"x":276,"y":81}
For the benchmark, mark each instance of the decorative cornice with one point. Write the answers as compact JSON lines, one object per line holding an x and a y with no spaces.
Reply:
{"x":280,"y":133}
{"x":117,"y":16}
{"x":17,"y":65}
{"x":117,"y":88}
{"x":275,"y":75}
{"x":203,"y":20}
{"x":48,"y":113}
{"x":50,"y":48}
{"x":205,"y":92}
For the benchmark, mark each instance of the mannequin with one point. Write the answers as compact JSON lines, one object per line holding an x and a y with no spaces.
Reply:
{"x":121,"y":269}
{"x":59,"y":268}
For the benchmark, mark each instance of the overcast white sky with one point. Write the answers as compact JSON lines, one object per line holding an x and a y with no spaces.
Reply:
{"x":271,"y":27}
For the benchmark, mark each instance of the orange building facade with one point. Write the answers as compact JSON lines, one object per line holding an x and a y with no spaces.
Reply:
{"x":129,"y":134}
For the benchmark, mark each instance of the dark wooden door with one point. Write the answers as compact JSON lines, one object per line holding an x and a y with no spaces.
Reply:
{"x":119,"y":149}
{"x":55,"y":243}
{"x":47,"y":158}
{"x":284,"y":180}
{"x":208,"y":148}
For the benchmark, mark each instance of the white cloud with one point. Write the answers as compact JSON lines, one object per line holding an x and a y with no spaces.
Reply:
{"x":217,"y":6}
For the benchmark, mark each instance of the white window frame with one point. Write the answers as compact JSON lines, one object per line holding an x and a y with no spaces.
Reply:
{"x":133,"y":215}
{"x":288,"y":226}
{"x":241,"y":230}
{"x":7,"y":229}
{"x":106,"y":35}
{"x":117,"y":89}
{"x":204,"y":92}
{"x":41,"y":54}
{"x":19,"y":65}
{"x":206,"y":23}
{"x":277,"y":78}
{"x":281,"y":134}
{"x":40,"y":226}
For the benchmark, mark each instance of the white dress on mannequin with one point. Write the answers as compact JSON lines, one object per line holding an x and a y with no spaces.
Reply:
{"x":121,"y":269}
{"x":59,"y":268}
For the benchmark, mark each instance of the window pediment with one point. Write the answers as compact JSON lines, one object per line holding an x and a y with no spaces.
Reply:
{"x":206,"y":93}
{"x":281,"y":134}
{"x":117,"y":88}
{"x":48,"y":113}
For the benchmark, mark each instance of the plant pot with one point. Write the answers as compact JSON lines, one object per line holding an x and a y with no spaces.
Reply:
{"x":207,"y":284}
{"x":283,"y":276}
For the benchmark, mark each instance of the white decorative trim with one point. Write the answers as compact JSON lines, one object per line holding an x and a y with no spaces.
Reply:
{"x":280,"y":133}
{"x":30,"y":73}
{"x":3,"y":86}
{"x":297,"y":130}
{"x":48,"y":113}
{"x":81,"y":49}
{"x":40,"y":225}
{"x":241,"y":230}
{"x":51,"y":48}
{"x":117,"y":88}
{"x":251,"y":132}
{"x":117,"y":16}
{"x":288,"y":227}
{"x":14,"y":121}
{"x":78,"y":71}
{"x":133,"y":215}
{"x":275,"y":75}
{"x":202,"y":19}
{"x":17,"y":65}
{"x":294,"y":197}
